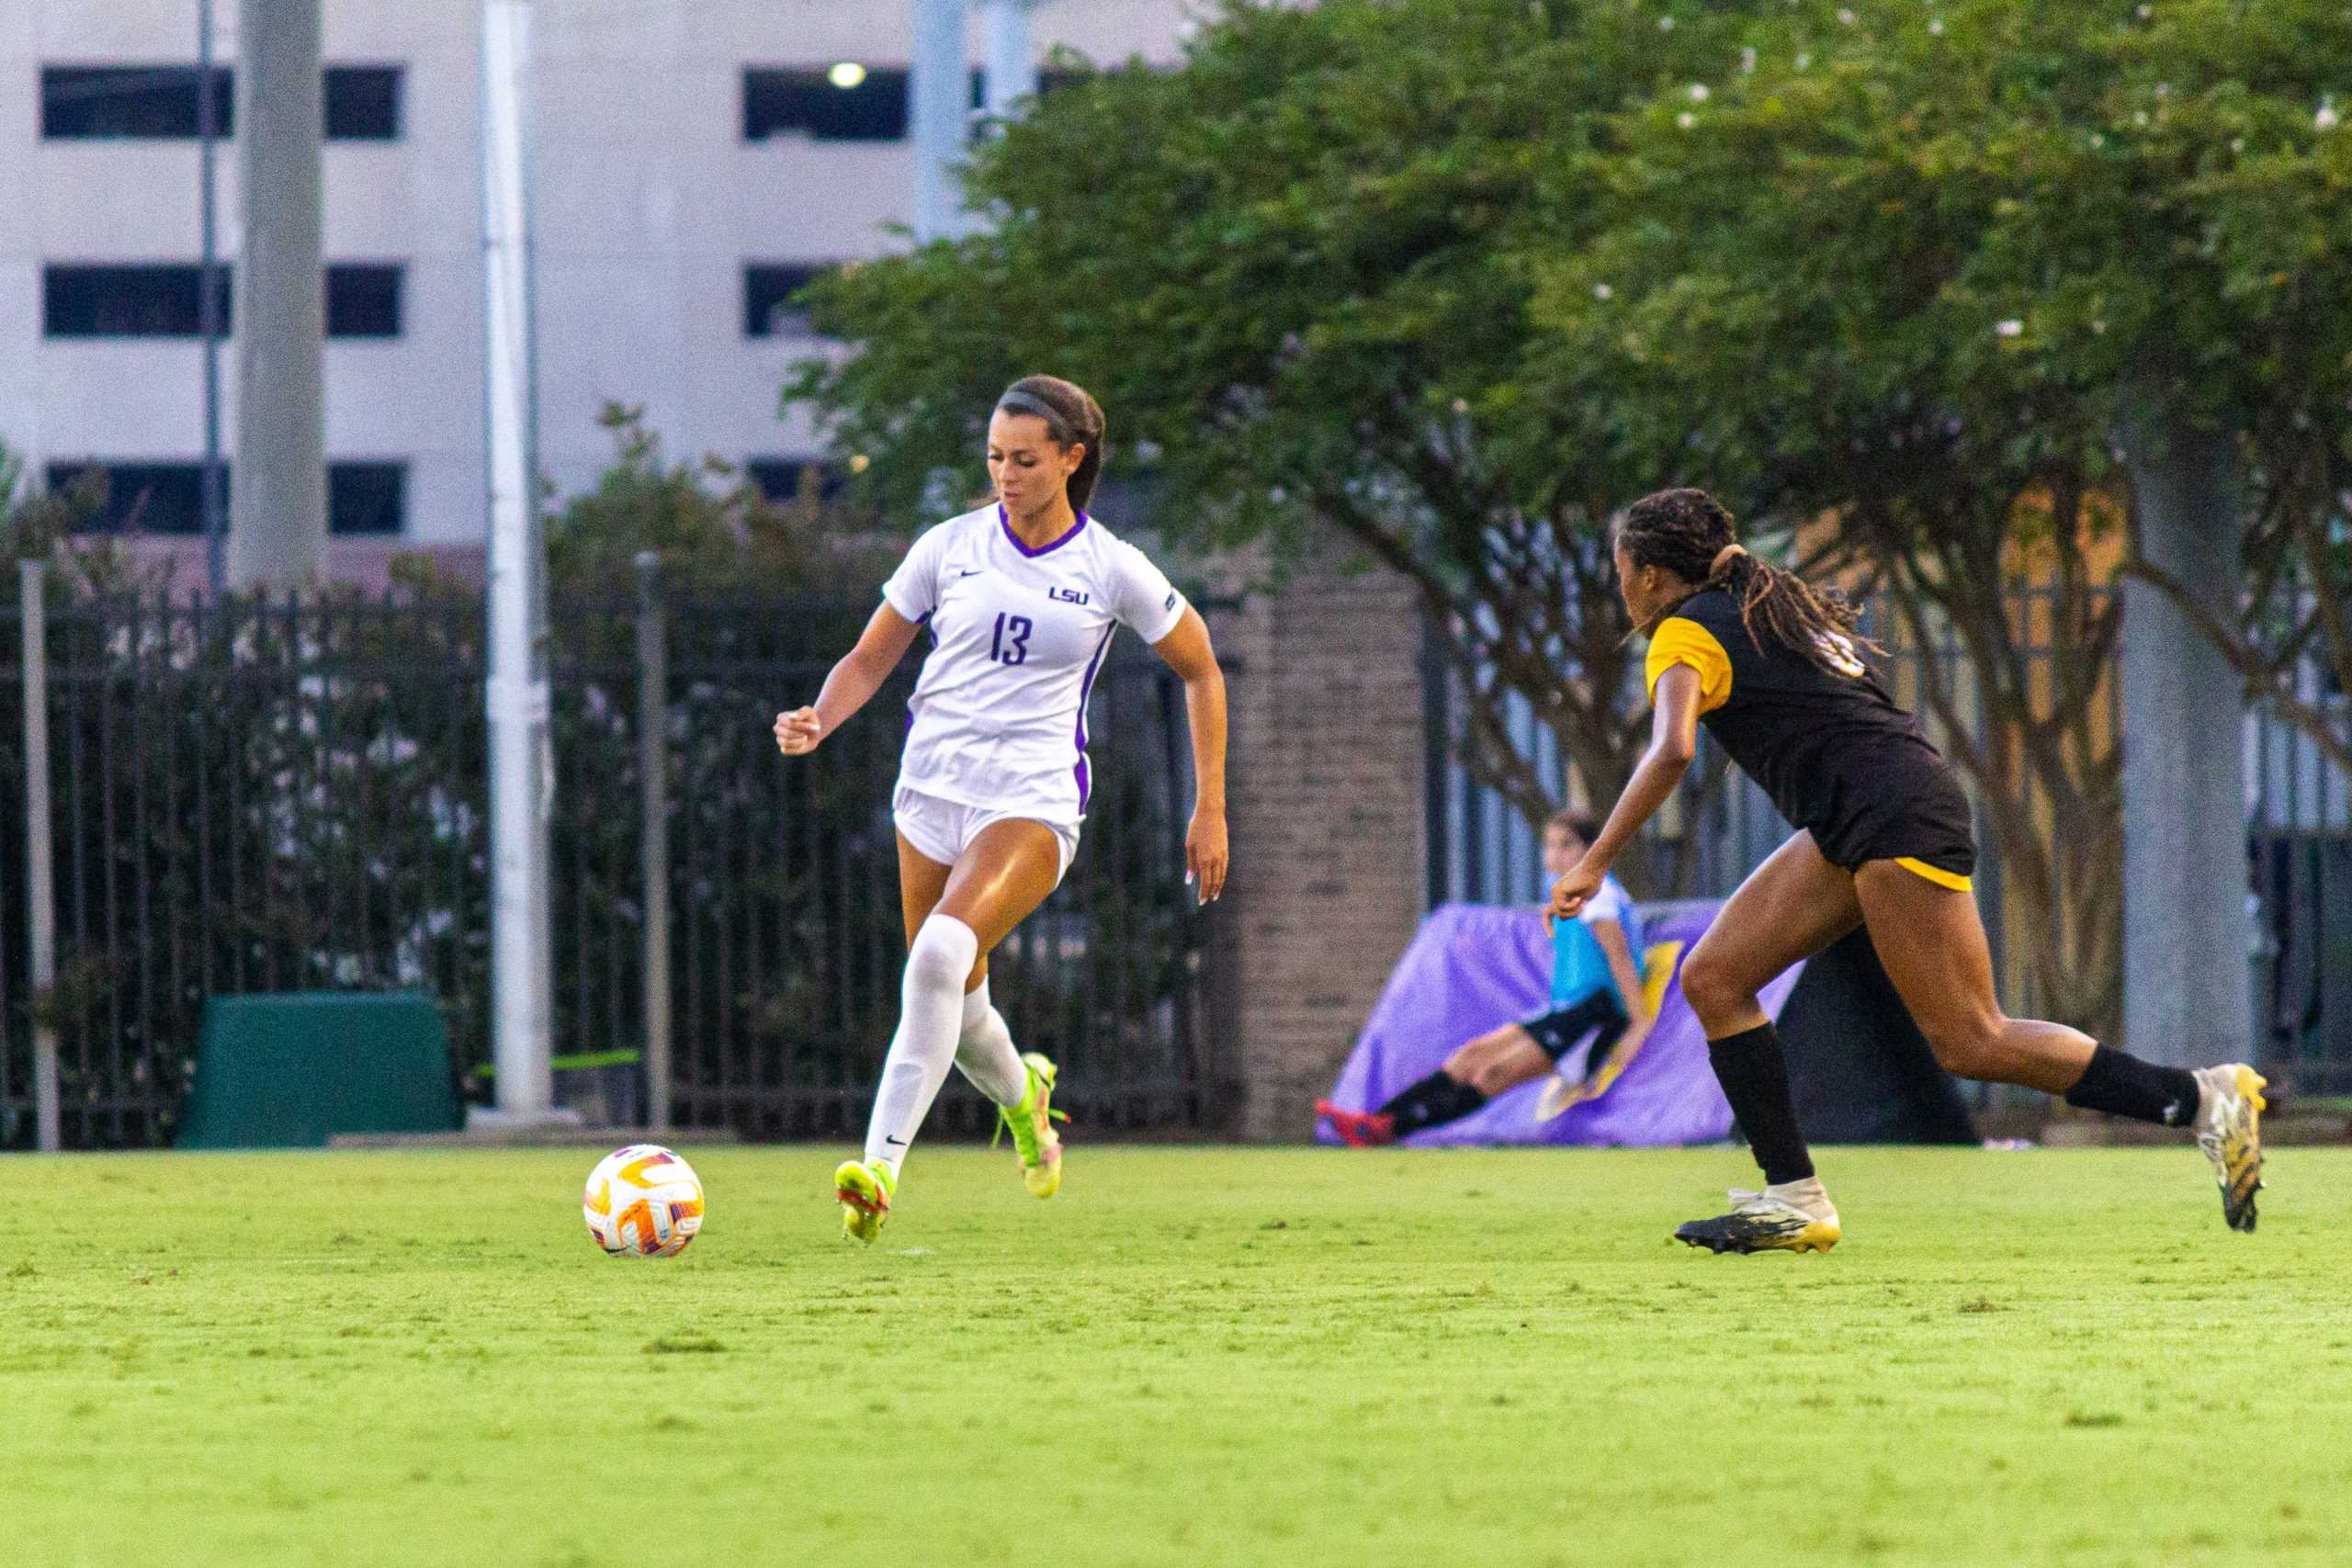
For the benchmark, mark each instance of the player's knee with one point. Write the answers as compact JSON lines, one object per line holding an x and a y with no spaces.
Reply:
{"x":941,"y":954}
{"x":1965,"y":1044}
{"x":1710,"y":986}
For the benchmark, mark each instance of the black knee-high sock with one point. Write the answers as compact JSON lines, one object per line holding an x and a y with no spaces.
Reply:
{"x":2126,"y":1086}
{"x":1436,"y":1099}
{"x":1755,"y":1076}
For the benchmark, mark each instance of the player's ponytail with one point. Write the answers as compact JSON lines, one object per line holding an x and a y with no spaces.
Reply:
{"x":1071,"y":416}
{"x":1688,"y":533}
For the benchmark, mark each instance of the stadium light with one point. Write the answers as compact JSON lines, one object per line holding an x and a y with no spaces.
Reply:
{"x":847,"y":75}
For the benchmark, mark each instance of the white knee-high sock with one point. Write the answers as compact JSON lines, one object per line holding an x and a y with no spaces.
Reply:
{"x":984,"y":1051}
{"x":930,"y":1002}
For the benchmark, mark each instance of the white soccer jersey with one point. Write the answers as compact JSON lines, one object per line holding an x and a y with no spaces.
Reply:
{"x":999,"y":715}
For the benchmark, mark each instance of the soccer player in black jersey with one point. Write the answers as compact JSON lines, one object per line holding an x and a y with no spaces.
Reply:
{"x":1774,"y":669}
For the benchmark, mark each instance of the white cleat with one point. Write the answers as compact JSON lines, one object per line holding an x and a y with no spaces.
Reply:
{"x":1799,"y":1218}
{"x":2229,"y":1129}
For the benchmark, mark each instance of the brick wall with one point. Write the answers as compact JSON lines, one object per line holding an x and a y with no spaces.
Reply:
{"x":1325,"y":801}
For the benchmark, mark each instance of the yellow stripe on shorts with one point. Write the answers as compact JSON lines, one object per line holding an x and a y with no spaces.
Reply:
{"x":1937,"y":874}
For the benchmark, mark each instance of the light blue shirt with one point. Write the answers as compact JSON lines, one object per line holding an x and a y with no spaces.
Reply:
{"x":1578,"y":966}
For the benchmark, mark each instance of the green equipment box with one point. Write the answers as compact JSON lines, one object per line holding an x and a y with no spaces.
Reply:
{"x":292,"y":1070}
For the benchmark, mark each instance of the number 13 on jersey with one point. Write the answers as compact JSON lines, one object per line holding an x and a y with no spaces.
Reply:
{"x":1010,"y":645}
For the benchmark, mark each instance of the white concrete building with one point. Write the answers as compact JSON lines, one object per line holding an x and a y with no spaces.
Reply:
{"x":687,"y":151}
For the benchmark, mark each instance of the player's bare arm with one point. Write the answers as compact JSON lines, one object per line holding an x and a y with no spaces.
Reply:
{"x":1625,"y":974}
{"x":851,"y":684}
{"x":1188,"y":652}
{"x":1674,"y":742}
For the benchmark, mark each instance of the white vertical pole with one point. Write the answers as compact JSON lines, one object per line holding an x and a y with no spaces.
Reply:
{"x":1013,"y":57}
{"x":216,"y":511}
{"x":278,"y":523}
{"x":652,"y":769}
{"x":520,"y":776}
{"x":940,"y":112}
{"x":40,"y":894}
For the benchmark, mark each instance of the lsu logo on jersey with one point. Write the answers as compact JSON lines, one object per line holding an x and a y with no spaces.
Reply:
{"x":1067,"y":596}
{"x":1838,"y":650}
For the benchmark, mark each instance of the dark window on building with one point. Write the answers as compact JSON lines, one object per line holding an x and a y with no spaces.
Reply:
{"x":113,"y":102}
{"x":806,"y":103}
{"x":768,"y":289}
{"x":364,"y":300}
{"x":779,"y":478}
{"x":363,"y":103}
{"x":152,"y":498}
{"x":367,"y":498}
{"x":168,"y":498}
{"x":146,"y":301}
{"x":119,"y":101}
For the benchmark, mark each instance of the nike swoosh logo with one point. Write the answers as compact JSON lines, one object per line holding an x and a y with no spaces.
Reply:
{"x":972,"y":574}
{"x":887,"y":1139}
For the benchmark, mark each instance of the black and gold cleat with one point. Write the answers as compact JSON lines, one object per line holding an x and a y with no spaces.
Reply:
{"x":2229,"y":1129}
{"x":1761,"y":1223}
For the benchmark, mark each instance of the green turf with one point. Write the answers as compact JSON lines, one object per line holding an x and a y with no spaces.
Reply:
{"x":1192,"y":1357}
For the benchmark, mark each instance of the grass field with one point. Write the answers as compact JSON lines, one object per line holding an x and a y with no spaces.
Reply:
{"x":1192,"y":1356}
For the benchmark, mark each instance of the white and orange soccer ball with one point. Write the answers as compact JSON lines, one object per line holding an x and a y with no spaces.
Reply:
{"x":643,"y":1202}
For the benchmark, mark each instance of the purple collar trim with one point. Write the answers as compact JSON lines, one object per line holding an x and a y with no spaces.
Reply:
{"x":1006,"y":523}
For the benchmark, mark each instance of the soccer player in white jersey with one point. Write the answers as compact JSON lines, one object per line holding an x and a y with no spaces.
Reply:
{"x":1023,"y":597}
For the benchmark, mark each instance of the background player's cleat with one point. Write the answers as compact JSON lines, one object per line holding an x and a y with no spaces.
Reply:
{"x":1761,"y":1223}
{"x":864,"y":1189}
{"x":2229,"y":1129}
{"x":1358,"y":1129}
{"x":1030,"y":1123}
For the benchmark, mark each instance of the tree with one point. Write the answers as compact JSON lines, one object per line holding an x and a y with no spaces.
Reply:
{"x":1779,"y":268}
{"x":714,"y":531}
{"x":2180,"y":235}
{"x":1297,"y":271}
{"x":1979,"y":281}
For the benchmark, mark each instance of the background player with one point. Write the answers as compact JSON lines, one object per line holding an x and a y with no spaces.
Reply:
{"x":1596,"y":984}
{"x":1884,"y":841}
{"x":1022,"y":597}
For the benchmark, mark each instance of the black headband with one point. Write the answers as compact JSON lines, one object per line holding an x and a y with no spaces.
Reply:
{"x":1024,"y":402}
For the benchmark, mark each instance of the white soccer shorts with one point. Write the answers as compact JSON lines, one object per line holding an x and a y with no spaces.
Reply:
{"x":941,"y":829}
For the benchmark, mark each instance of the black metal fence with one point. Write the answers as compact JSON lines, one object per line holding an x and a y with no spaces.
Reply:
{"x":2299,"y":839}
{"x":2300,"y":809}
{"x":1481,"y":850}
{"x":258,"y":794}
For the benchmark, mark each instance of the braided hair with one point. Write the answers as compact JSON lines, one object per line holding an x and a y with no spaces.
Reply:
{"x":1688,"y":533}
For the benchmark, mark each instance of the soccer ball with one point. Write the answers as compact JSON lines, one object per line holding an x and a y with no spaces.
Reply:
{"x":642,"y":1202}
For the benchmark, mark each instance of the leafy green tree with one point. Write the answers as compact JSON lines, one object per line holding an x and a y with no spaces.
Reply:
{"x":2178,"y":233}
{"x":45,"y":524}
{"x":1778,"y":272}
{"x":1976,"y":282}
{"x":1297,"y":270}
{"x":1967,"y":278}
{"x":713,"y":530}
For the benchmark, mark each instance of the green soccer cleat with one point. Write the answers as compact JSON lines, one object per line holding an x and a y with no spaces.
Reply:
{"x":1030,"y":1123}
{"x":864,"y":1188}
{"x":2229,"y":1129}
{"x":1761,"y":1223}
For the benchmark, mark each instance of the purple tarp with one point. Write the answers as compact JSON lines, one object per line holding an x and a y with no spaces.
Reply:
{"x":1473,"y":967}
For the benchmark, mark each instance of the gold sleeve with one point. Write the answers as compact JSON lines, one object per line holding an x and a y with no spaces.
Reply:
{"x":1679,"y":640}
